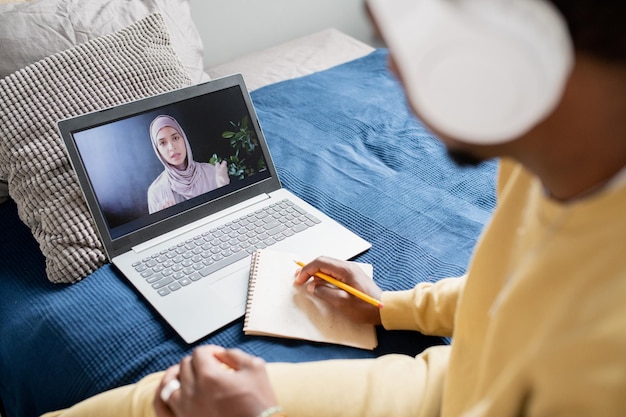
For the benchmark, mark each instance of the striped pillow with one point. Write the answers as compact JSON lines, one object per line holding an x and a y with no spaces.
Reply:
{"x":134,"y":63}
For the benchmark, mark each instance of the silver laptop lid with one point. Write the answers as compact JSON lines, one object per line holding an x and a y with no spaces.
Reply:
{"x":122,"y":155}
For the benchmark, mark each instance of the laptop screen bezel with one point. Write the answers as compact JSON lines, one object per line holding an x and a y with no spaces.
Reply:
{"x":115,"y":246}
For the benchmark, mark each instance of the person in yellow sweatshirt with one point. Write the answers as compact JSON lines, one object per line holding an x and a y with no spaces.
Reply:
{"x":539,"y":321}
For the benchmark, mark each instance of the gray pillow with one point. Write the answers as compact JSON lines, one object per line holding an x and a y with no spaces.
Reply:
{"x":30,"y":31}
{"x":133,"y":63}
{"x":33,"y":30}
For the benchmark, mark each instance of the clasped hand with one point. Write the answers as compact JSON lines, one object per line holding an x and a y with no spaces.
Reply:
{"x":215,"y":382}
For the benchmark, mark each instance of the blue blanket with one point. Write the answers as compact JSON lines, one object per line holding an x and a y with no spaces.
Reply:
{"x":343,"y":140}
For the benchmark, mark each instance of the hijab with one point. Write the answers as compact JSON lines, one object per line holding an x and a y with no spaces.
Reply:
{"x":191,"y":181}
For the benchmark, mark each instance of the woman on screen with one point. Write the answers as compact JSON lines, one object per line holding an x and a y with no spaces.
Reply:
{"x":183,"y":178}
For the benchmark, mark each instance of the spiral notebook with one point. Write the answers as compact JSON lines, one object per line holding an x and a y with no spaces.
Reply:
{"x":276,"y":307}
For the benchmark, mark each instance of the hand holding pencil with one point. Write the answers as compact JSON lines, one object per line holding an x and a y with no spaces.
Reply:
{"x":343,"y":285}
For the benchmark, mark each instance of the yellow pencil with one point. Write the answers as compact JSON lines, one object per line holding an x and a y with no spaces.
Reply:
{"x":345,"y":287}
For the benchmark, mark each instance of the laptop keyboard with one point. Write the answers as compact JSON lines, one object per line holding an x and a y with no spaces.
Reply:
{"x":198,"y":257}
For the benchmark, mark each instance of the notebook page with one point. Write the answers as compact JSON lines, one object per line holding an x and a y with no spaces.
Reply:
{"x":277,"y":307}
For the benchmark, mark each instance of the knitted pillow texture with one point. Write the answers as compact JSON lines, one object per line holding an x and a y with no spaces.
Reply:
{"x":33,"y":30}
{"x":133,"y":63}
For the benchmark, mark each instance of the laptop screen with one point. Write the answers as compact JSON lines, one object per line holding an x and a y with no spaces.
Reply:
{"x":152,"y":165}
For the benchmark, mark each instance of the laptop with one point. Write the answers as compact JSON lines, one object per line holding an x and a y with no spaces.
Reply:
{"x":184,"y":238}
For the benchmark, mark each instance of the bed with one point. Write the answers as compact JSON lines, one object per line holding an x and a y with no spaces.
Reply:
{"x":343,"y":140}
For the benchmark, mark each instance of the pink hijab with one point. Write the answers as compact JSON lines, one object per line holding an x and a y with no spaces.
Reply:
{"x":193,"y":180}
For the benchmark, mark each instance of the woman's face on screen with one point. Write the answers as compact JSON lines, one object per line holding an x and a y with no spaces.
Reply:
{"x":172,"y":148}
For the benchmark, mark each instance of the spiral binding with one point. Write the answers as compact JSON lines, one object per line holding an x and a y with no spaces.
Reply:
{"x":254,"y":269}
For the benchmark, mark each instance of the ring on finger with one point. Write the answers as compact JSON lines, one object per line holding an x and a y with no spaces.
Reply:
{"x":169,"y":388}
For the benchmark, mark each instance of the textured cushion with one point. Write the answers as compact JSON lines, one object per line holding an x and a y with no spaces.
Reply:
{"x":133,"y":63}
{"x":33,"y":30}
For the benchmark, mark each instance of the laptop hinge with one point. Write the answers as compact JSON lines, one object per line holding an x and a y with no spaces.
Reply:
{"x":149,"y":244}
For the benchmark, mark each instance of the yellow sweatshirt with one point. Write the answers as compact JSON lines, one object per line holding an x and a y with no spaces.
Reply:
{"x":538,"y":323}
{"x":538,"y":326}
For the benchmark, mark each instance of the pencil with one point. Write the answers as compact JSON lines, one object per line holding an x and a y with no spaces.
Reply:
{"x":347,"y":288}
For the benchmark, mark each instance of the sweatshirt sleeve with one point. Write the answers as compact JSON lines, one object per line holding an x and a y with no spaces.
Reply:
{"x":391,"y":385}
{"x":428,"y":308}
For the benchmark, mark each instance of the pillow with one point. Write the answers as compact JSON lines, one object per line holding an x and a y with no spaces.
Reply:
{"x":33,"y":30}
{"x":133,"y":63}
